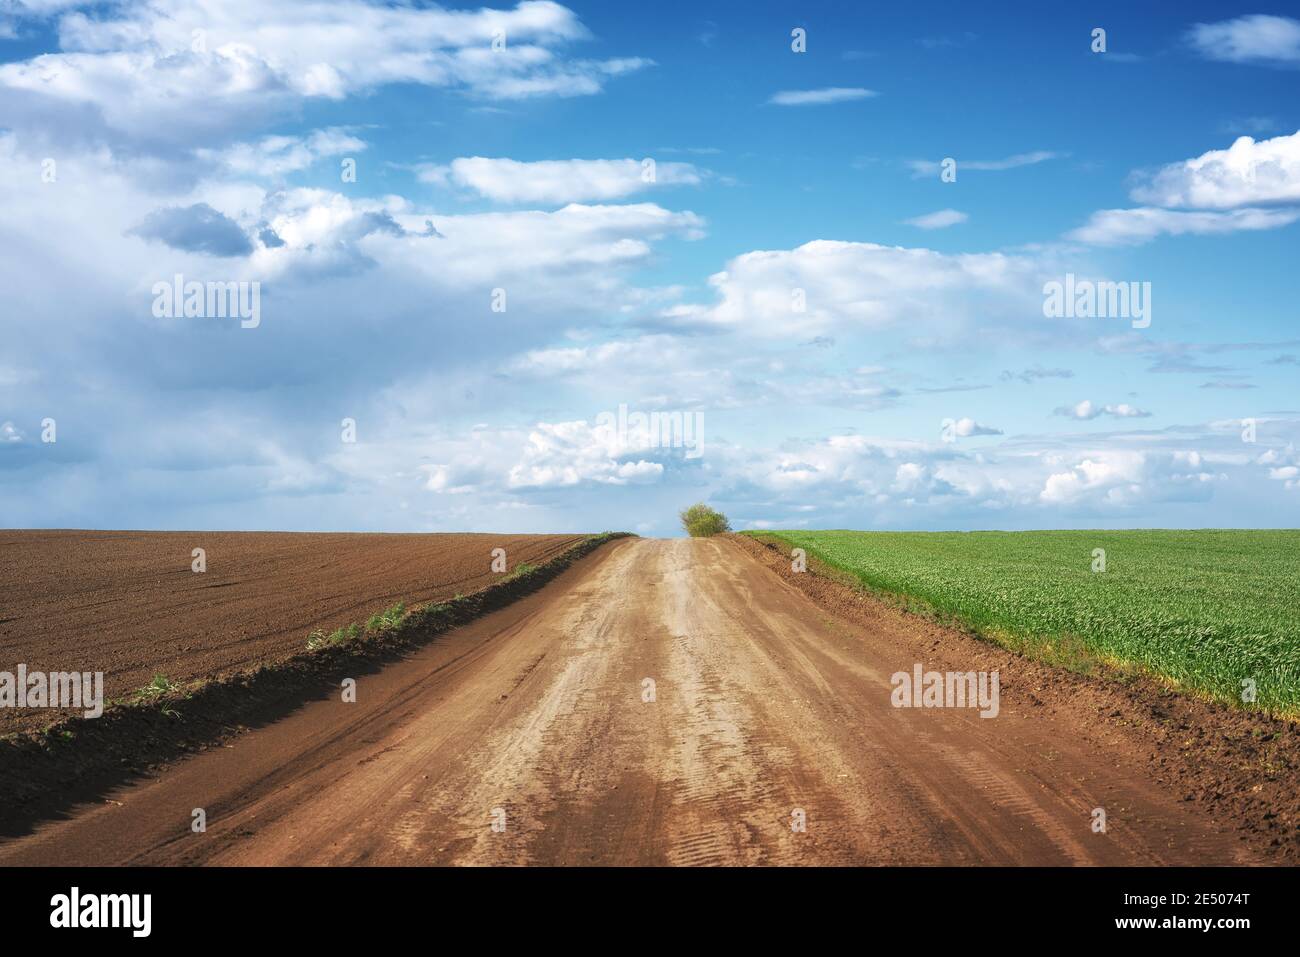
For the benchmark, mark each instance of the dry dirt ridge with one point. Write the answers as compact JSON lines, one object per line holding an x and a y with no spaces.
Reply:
{"x":694,"y":702}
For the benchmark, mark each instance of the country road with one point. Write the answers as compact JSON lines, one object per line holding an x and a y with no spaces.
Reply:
{"x":535,"y":719}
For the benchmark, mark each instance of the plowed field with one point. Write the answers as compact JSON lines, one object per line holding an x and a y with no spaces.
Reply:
{"x":129,"y":604}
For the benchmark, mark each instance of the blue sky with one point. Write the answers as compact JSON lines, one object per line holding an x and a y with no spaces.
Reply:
{"x":919,"y":383}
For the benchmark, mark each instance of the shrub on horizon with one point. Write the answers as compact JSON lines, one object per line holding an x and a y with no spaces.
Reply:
{"x":700,"y":521}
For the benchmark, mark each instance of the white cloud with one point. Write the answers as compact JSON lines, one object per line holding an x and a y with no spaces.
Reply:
{"x":664,"y":371}
{"x":908,"y":476}
{"x":1220,"y":183}
{"x":1123,"y":410}
{"x":1247,"y":173}
{"x":879,"y":476}
{"x":929,"y":167}
{"x":569,"y":360}
{"x":966,"y":427}
{"x":1131,"y":227}
{"x":1256,"y":38}
{"x":1127,"y":478}
{"x":572,"y":453}
{"x":1094,"y":480}
{"x":867,"y":286}
{"x":549,"y":455}
{"x":342,"y":274}
{"x":321,"y":229}
{"x":1117,"y":475}
{"x":1284,"y":465}
{"x":1289,"y":475}
{"x":839,"y":462}
{"x":277,"y":155}
{"x":149,"y":74}
{"x":560,"y":181}
{"x":830,"y":94}
{"x":940,"y":219}
{"x":1088,"y":410}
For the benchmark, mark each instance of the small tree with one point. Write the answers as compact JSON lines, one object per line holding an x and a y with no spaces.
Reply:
{"x":700,"y":521}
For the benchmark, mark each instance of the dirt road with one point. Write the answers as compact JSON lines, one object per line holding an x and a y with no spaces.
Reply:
{"x":535,"y":719}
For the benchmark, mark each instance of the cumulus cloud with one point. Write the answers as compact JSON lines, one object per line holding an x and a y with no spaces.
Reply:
{"x":560,"y":181}
{"x":549,"y":455}
{"x":838,"y":464}
{"x":1128,"y":478}
{"x":1255,"y":38}
{"x":1248,"y":173}
{"x":897,"y":482}
{"x":1210,"y":194}
{"x":1283,"y":465}
{"x":830,"y":94}
{"x":940,"y":219}
{"x":826,"y":284}
{"x":966,"y":427}
{"x":1088,"y":410}
{"x":571,"y":453}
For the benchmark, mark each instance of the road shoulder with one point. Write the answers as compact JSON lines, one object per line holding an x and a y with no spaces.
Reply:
{"x":1239,"y":769}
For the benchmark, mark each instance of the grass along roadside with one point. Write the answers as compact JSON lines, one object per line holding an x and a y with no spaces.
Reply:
{"x":399,"y":615}
{"x":1208,"y":611}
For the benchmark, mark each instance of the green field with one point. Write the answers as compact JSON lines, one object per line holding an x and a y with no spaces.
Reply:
{"x":1206,"y":609}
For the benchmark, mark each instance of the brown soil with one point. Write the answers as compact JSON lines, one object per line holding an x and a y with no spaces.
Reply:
{"x":129,"y":605}
{"x":771,"y":694}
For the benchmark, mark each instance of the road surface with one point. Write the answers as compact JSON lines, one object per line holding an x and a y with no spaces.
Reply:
{"x":534,"y":736}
